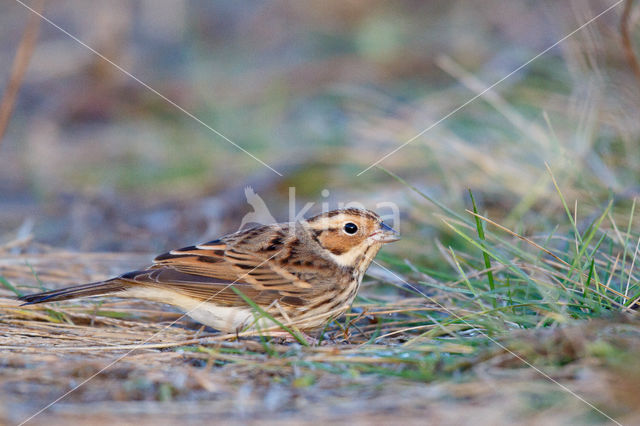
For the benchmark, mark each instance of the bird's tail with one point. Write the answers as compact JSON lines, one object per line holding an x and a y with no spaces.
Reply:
{"x":114,"y":285}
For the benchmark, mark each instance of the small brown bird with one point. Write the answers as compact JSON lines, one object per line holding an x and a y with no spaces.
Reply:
{"x":302,"y":274}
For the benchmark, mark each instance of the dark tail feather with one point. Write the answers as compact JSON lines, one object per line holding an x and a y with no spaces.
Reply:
{"x":92,"y":289}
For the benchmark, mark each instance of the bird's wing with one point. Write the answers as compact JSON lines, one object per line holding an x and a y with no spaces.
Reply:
{"x":208,"y":271}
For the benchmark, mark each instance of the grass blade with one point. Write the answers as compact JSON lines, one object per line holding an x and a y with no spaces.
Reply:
{"x":487,"y":259}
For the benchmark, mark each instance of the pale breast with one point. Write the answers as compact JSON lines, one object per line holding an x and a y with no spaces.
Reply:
{"x":223,"y":318}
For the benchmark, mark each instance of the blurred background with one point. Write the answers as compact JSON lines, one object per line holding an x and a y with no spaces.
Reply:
{"x":94,"y":161}
{"x":100,"y":169}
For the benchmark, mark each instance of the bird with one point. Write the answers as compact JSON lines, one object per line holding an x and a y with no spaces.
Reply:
{"x":266,"y":278}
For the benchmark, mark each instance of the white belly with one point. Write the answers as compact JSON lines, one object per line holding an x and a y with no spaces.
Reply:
{"x":222,"y":318}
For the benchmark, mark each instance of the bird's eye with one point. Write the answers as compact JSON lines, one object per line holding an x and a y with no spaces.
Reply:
{"x":350,"y":228}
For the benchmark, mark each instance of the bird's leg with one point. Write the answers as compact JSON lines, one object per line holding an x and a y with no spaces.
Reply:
{"x":289,"y":338}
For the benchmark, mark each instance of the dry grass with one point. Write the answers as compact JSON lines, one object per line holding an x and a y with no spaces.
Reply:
{"x":94,"y":163}
{"x":185,"y":373}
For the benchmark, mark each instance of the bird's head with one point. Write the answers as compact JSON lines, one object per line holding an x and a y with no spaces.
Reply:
{"x":350,"y":235}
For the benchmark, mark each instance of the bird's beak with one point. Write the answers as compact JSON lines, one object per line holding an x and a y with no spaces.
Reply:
{"x":385,"y":234}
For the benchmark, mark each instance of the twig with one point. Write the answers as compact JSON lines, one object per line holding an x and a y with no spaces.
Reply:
{"x":19,"y":69}
{"x":629,"y":52}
